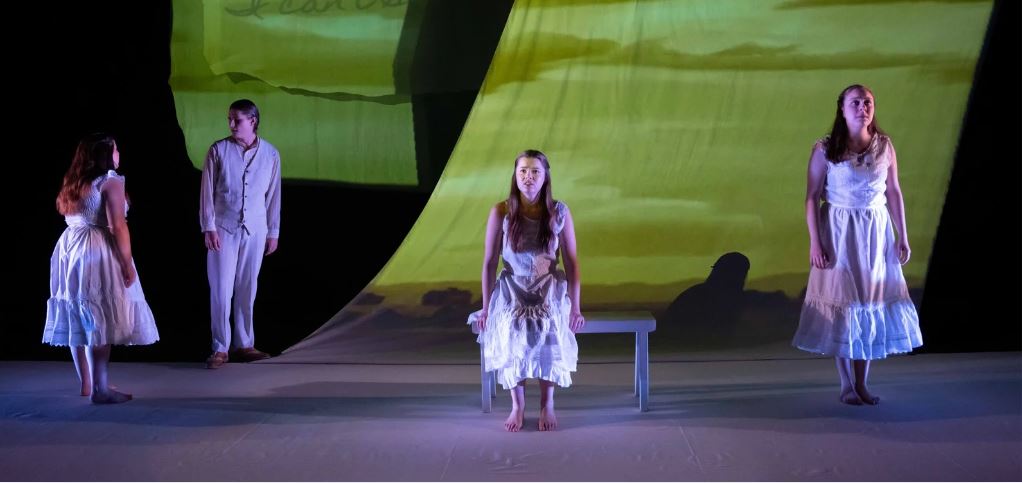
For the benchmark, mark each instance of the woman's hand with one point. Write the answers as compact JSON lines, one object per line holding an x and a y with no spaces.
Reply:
{"x":482,"y":319}
{"x":818,"y":257}
{"x":129,"y":274}
{"x":576,"y":321}
{"x":904,"y":252}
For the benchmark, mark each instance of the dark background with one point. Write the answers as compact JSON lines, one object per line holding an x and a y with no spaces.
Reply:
{"x":84,"y":68}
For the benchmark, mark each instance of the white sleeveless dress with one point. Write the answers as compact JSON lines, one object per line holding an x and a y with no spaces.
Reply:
{"x":859,"y":307}
{"x":527,"y":334}
{"x":89,"y":304}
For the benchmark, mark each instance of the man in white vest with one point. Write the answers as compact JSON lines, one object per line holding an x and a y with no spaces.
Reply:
{"x":239,"y":210}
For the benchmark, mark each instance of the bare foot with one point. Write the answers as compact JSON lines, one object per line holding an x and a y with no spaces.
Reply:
{"x":547,"y":419}
{"x":515,"y":420}
{"x":850,"y":397}
{"x":110,"y":397}
{"x":866,"y":396}
{"x":87,"y":388}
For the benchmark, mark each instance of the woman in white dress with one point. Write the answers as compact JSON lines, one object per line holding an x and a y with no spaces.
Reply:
{"x":95,"y":298}
{"x":857,"y":306}
{"x":532,"y":310}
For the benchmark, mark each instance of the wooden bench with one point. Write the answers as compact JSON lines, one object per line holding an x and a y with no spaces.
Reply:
{"x":641,"y":323}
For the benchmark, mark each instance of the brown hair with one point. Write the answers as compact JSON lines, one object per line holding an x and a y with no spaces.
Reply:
{"x":515,"y":222}
{"x":836,"y":144}
{"x":93,"y":157}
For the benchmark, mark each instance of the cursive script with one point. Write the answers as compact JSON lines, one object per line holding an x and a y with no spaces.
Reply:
{"x":255,"y":8}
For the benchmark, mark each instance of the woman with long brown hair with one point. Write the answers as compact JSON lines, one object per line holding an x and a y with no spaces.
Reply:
{"x":857,"y":307}
{"x":532,"y":310}
{"x":95,"y":298}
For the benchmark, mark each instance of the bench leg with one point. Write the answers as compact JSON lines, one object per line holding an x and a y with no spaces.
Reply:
{"x":637,"y":362}
{"x":485,"y":379}
{"x":493,"y":383}
{"x":643,"y":370}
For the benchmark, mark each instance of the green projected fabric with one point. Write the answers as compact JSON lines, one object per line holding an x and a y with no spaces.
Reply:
{"x":679,"y":131}
{"x":322,"y":74}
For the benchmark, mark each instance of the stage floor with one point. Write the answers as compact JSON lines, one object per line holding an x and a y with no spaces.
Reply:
{"x":942,"y":417}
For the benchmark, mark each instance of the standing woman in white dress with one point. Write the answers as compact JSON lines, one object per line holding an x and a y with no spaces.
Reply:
{"x":95,"y":297}
{"x":532,"y":310}
{"x":857,"y":306}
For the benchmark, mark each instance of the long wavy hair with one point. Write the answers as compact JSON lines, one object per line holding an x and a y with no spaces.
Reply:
{"x":516,"y":219}
{"x":93,"y":157}
{"x":837,"y":142}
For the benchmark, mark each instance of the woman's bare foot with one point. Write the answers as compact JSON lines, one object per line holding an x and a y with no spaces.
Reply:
{"x":849,"y":396}
{"x":866,"y":396}
{"x":87,"y":388}
{"x":109,"y":397}
{"x":547,"y":419}
{"x":515,"y":420}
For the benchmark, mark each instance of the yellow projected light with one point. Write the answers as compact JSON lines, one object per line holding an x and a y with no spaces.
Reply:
{"x":322,"y":77}
{"x":680,"y":131}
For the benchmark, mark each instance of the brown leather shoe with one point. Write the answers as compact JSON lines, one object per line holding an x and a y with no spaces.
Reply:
{"x":249,"y":354}
{"x":216,"y":360}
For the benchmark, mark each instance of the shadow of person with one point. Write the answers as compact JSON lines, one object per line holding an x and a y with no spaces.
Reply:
{"x":720,"y":314}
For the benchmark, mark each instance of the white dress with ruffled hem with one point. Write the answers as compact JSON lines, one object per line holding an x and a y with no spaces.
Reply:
{"x":89,"y":304}
{"x":527,"y":334}
{"x":859,"y":307}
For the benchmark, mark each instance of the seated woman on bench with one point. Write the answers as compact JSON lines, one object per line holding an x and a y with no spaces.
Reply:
{"x":532,"y":310}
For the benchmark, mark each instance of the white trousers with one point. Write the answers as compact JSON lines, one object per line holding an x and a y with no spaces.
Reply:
{"x":233,"y":273}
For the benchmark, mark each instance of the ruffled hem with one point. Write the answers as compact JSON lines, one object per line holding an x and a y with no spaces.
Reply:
{"x":858,"y":331}
{"x":521,"y":370}
{"x":84,"y":322}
